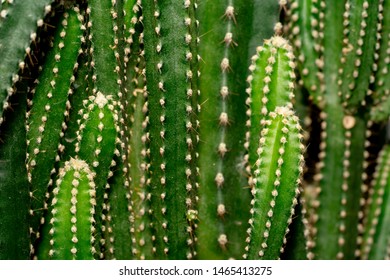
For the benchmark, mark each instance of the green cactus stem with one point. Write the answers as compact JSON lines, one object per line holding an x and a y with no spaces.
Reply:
{"x":375,"y":243}
{"x":97,"y":137}
{"x":307,"y":26}
{"x":136,"y":141}
{"x":230,"y":31}
{"x":72,"y":209}
{"x":271,"y":85}
{"x":104,"y":46}
{"x":276,"y":180}
{"x":49,"y":107}
{"x":106,"y":31}
{"x":133,"y":132}
{"x":96,"y":144}
{"x":119,"y":222}
{"x":359,"y":46}
{"x":171,"y":75}
{"x":18,"y":23}
{"x":343,"y":120}
{"x":381,"y":91}
{"x":80,"y":91}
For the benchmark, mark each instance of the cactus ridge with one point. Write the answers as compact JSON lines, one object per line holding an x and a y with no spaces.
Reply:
{"x":230,"y":32}
{"x":223,"y":119}
{"x":96,"y":144}
{"x":276,"y":178}
{"x":105,"y":57}
{"x":97,"y":136}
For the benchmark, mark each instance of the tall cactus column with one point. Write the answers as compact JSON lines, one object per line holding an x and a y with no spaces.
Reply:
{"x":339,"y":86}
{"x":276,"y":180}
{"x":230,"y":32}
{"x":49,"y":108}
{"x":136,"y":134}
{"x":171,"y":74}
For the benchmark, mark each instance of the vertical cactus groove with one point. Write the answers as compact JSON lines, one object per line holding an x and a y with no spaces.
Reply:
{"x":376,"y":234}
{"x":18,"y":22}
{"x":230,"y":32}
{"x":72,"y":209}
{"x":276,"y":179}
{"x":170,"y":76}
{"x":46,"y":118}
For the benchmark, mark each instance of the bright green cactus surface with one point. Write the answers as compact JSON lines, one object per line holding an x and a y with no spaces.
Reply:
{"x":194,"y":129}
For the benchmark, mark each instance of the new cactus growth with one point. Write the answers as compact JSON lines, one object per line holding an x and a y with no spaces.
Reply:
{"x":72,"y":225}
{"x":276,"y":177}
{"x":271,"y":86}
{"x":158,"y":129}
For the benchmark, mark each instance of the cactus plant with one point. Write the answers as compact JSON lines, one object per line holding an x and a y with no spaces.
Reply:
{"x":173,"y":129}
{"x":343,"y":89}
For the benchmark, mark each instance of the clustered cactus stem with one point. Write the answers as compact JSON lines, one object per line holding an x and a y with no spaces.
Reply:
{"x":172,"y":129}
{"x":375,"y":244}
{"x":342,"y":89}
{"x":170,"y":36}
{"x":49,"y":108}
{"x":273,"y":193}
{"x":232,"y":30}
{"x":72,"y":231}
